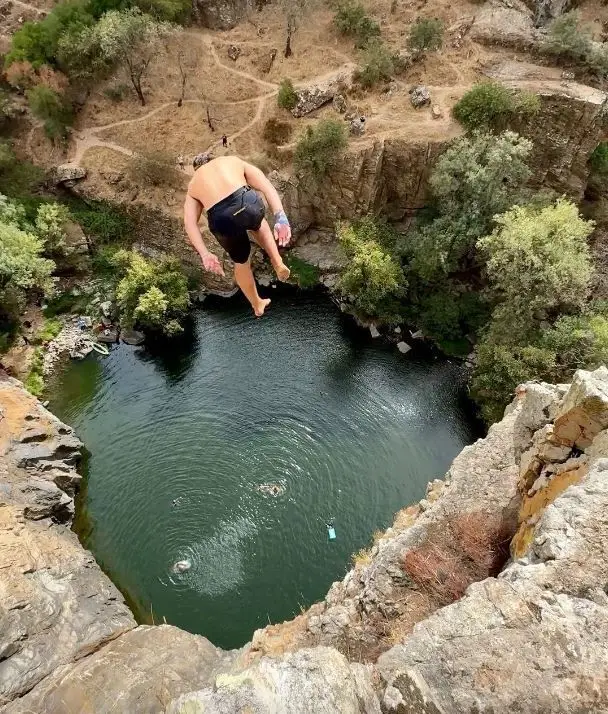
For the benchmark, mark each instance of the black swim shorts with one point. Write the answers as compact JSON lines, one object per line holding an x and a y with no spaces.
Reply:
{"x":231,"y":218}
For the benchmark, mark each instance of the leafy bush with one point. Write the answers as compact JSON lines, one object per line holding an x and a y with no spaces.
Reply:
{"x":287,"y":97}
{"x":538,"y":265}
{"x":17,"y":178}
{"x":599,"y":158}
{"x":473,"y":180}
{"x":305,"y":274}
{"x":500,"y":368}
{"x":489,"y":105}
{"x":35,"y":380}
{"x":352,"y":20}
{"x":567,"y":39}
{"x":156,"y":168}
{"x":373,"y":280}
{"x":51,"y":220}
{"x":102,"y":220}
{"x":426,"y":35}
{"x":276,"y":131}
{"x":320,"y":148}
{"x":49,"y":330}
{"x":378,"y":64}
{"x":38,"y":42}
{"x":152,"y":294}
{"x":48,"y":106}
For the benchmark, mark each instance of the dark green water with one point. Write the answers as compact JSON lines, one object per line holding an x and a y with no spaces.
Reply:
{"x":351,"y":430}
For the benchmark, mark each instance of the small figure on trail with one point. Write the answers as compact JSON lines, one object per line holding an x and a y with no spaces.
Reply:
{"x":224,"y":188}
{"x":180,"y":162}
{"x":224,"y":141}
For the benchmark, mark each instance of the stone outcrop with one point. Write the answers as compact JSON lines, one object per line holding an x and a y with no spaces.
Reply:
{"x":507,"y":23}
{"x":220,"y":14}
{"x":436,"y":617}
{"x":314,"y":96}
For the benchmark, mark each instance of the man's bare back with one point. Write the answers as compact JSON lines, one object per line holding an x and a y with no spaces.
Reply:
{"x":217,"y":179}
{"x":225,"y":188}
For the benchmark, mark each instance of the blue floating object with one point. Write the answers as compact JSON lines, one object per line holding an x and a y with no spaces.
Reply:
{"x":331,"y":533}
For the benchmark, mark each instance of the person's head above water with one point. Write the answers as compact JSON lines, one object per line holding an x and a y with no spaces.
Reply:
{"x":201,"y":159}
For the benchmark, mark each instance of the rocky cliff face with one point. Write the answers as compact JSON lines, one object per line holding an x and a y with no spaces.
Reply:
{"x":487,"y":596}
{"x":220,"y":14}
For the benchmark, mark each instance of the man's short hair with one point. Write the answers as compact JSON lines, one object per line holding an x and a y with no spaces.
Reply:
{"x":201,"y":159}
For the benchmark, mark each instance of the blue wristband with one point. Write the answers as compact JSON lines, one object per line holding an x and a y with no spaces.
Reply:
{"x":280,"y":218}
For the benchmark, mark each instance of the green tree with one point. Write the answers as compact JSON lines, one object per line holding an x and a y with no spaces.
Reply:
{"x":352,"y":21}
{"x":320,"y":149}
{"x":567,"y":39}
{"x":38,"y":42}
{"x":500,"y":368}
{"x":51,"y":225}
{"x":372,"y":280}
{"x":287,"y":97}
{"x":473,"y":180}
{"x":490,"y":106}
{"x":538,"y":265}
{"x":426,"y":34}
{"x":378,"y":64}
{"x":52,"y":109}
{"x":152,"y":293}
{"x":127,"y":38}
{"x":599,"y":158}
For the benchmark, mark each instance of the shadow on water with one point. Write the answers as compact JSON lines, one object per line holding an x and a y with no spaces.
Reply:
{"x":173,"y":357}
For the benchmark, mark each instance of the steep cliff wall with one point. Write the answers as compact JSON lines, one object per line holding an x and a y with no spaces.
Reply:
{"x":429,"y":620}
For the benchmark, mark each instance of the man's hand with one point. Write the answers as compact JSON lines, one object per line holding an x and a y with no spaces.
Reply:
{"x":282,"y":229}
{"x":211,"y":263}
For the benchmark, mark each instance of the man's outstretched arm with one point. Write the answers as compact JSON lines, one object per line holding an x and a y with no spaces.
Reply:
{"x":256,"y":179}
{"x":192,"y":214}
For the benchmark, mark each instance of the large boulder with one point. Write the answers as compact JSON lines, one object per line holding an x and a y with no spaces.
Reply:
{"x":319,"y":680}
{"x":547,"y":10}
{"x":67,"y":174}
{"x":508,"y":23}
{"x":313,"y":96}
{"x":220,"y":14}
{"x":141,"y":671}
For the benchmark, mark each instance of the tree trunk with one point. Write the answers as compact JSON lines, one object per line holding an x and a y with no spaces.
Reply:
{"x":209,"y":120}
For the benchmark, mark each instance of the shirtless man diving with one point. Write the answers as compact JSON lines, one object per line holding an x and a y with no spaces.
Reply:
{"x":223,"y":187}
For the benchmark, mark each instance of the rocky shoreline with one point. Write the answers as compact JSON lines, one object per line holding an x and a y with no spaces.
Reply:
{"x":439,"y":616}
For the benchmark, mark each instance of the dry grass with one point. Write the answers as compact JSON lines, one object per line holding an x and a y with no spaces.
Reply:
{"x":465,"y":549}
{"x":361,"y":558}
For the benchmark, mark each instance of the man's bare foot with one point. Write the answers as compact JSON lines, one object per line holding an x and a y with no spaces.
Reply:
{"x":282,"y":272}
{"x":259,"y":311}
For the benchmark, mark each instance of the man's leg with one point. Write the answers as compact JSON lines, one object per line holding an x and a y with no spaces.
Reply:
{"x":264,"y":238}
{"x":245,"y":280}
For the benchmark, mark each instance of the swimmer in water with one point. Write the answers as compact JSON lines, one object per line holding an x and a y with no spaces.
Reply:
{"x":182,"y":566}
{"x":224,"y":188}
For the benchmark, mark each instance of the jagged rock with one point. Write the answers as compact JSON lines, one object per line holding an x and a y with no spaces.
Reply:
{"x":45,"y":500}
{"x":234,"y":52}
{"x":483,"y":652}
{"x":318,"y":680}
{"x":547,"y":10}
{"x":584,"y":411}
{"x":132,"y":337}
{"x":138,"y":672}
{"x":508,"y":23}
{"x":108,"y":336}
{"x":373,"y":331}
{"x":339,"y":103}
{"x":403,"y":347}
{"x":68,"y":172}
{"x":106,"y":308}
{"x":220,"y":14}
{"x":436,"y":112}
{"x":357,"y":126}
{"x":314,"y":96}
{"x":420,"y":96}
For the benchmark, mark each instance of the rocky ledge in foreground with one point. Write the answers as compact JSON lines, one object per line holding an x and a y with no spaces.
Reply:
{"x":439,"y":617}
